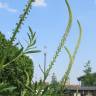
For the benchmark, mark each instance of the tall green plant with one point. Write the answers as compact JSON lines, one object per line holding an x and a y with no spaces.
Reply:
{"x":22,"y":17}
{"x":63,"y":40}
{"x":72,"y":57}
{"x":59,"y":49}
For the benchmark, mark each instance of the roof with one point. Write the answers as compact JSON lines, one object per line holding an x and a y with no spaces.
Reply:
{"x":74,"y":88}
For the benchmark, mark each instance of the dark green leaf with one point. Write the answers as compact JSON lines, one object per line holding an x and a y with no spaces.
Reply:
{"x":33,"y":51}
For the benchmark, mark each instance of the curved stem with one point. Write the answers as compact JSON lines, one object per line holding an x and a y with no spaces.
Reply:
{"x":27,"y":83}
{"x":65,"y":77}
{"x":72,"y":58}
{"x":7,"y":64}
{"x":79,"y":39}
{"x":62,"y":42}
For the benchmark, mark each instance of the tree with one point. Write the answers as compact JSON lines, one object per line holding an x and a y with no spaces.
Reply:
{"x":88,"y":68}
{"x":14,"y":74}
{"x":54,"y":86}
{"x":89,"y":79}
{"x":54,"y":79}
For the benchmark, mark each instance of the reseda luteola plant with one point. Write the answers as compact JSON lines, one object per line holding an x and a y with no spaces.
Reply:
{"x":31,"y":49}
{"x":61,"y":46}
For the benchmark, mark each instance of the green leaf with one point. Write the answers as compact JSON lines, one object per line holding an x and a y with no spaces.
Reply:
{"x":32,"y":51}
{"x":34,"y":42}
{"x":6,"y":88}
{"x":31,"y":30}
{"x":29,"y":37}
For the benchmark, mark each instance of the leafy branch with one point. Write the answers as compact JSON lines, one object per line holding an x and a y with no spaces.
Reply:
{"x":31,"y":43}
{"x":28,"y":50}
{"x":22,"y":17}
{"x":27,"y":83}
{"x":6,"y":88}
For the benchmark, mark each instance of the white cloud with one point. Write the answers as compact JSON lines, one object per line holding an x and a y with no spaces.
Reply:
{"x":6,"y":7}
{"x":40,"y":3}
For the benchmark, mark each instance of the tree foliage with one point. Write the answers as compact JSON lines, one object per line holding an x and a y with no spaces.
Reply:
{"x":89,"y":78}
{"x":14,"y":74}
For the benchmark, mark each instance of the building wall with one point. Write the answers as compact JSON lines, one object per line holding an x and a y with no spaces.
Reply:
{"x":77,"y":94}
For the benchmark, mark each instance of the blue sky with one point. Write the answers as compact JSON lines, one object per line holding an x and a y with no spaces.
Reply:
{"x":48,"y":18}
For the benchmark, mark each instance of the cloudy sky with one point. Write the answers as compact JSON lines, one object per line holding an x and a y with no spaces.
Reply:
{"x":48,"y":18}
